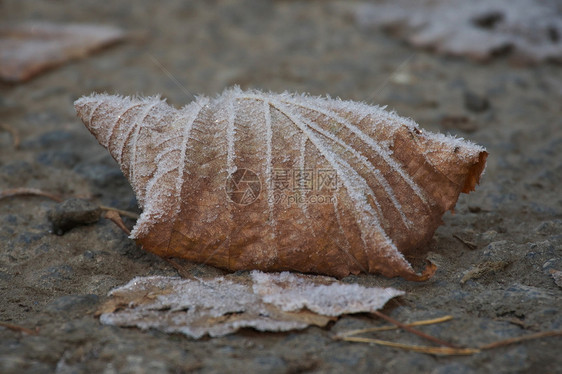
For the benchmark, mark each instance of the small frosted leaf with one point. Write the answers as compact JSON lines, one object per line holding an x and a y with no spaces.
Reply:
{"x":223,"y":305}
{"x":479,"y":29}
{"x":322,"y":295}
{"x":30,"y":48}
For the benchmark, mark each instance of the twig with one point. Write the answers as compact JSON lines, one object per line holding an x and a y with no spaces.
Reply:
{"x":121,"y":212}
{"x":114,"y":216}
{"x":437,"y":350}
{"x":538,"y":335}
{"x":394,"y":327}
{"x":18,"y":328}
{"x":416,"y":348}
{"x":470,"y":245}
{"x":413,"y":331}
{"x":21,"y":191}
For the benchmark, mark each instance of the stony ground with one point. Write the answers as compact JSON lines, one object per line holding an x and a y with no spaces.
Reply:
{"x":498,"y":288}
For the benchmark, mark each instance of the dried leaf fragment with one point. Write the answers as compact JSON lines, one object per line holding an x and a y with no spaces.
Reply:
{"x":223,"y":305}
{"x":253,"y":180}
{"x":31,"y":48}
{"x":478,"y":29}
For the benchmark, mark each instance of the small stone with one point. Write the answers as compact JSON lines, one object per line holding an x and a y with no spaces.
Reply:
{"x":475,"y":103}
{"x":474,"y":209}
{"x":71,"y":213}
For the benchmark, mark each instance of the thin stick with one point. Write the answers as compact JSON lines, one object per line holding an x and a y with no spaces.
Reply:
{"x":121,"y":212}
{"x":413,"y":331}
{"x":18,"y":328}
{"x":116,"y":218}
{"x":439,"y":350}
{"x":518,"y":339}
{"x":416,"y":348}
{"x":394,"y":327}
{"x":470,"y":245}
{"x":396,"y":71}
{"x":172,"y":78}
{"x":21,"y":191}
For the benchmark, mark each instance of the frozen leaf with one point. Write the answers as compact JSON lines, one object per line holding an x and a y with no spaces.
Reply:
{"x":30,"y":48}
{"x":321,"y":295}
{"x":223,"y":305}
{"x":254,"y":180}
{"x":479,"y":29}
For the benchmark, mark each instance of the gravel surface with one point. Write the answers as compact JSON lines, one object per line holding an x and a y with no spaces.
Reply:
{"x":497,"y":284}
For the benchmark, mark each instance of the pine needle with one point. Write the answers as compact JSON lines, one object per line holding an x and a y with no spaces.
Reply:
{"x":394,"y":327}
{"x":21,"y":191}
{"x":113,"y":215}
{"x":517,"y":339}
{"x":124,"y":213}
{"x":443,"y":350}
{"x":448,"y":351}
{"x":18,"y":328}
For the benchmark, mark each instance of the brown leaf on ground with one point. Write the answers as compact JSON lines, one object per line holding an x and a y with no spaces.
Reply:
{"x":29,"y":49}
{"x":222,"y":305}
{"x":254,"y":180}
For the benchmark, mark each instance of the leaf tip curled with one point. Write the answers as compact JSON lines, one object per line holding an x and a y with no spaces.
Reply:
{"x":428,"y":272}
{"x":475,"y":172}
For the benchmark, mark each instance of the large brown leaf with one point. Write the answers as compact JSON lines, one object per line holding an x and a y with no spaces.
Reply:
{"x":253,"y":180}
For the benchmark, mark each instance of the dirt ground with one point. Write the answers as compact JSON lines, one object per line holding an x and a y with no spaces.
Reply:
{"x":499,"y":288}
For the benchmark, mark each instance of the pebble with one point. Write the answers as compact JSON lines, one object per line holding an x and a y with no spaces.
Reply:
{"x":71,"y":213}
